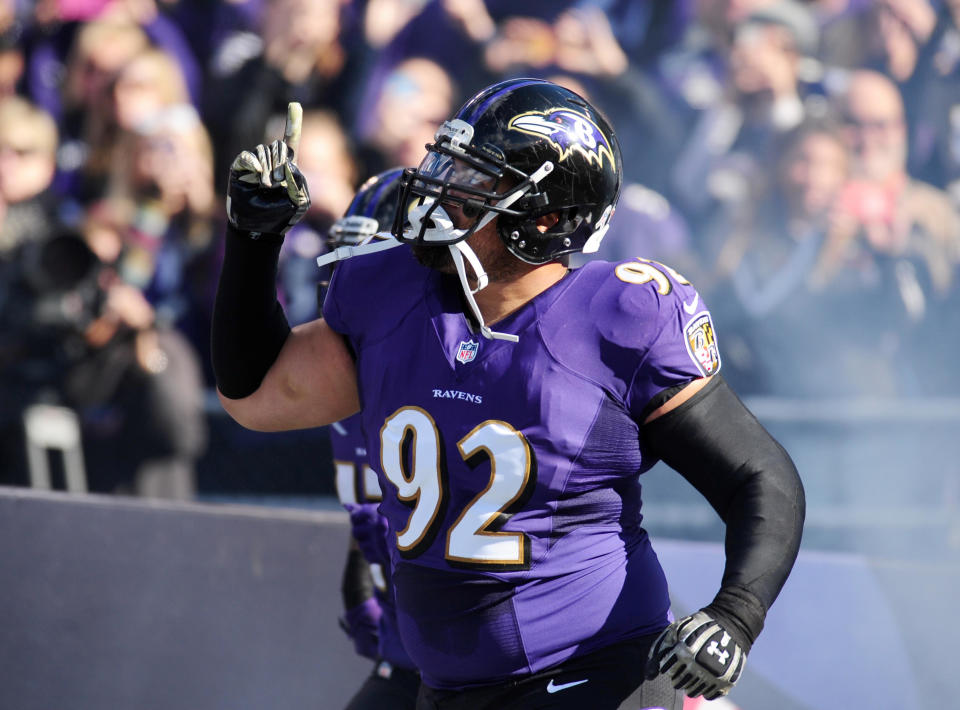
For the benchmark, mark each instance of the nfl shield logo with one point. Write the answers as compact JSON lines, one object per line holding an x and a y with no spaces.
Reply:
{"x":467,"y":351}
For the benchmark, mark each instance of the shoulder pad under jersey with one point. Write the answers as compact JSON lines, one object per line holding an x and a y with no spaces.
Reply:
{"x":370,"y":293}
{"x":635,"y":327}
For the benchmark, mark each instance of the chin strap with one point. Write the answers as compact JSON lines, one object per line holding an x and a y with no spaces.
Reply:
{"x":471,"y":257}
{"x":378,"y":242}
{"x":458,"y":251}
{"x":442,"y":230}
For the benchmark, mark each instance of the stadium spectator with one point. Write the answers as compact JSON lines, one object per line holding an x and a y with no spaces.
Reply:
{"x":844,"y":41}
{"x":100,"y":50}
{"x":382,"y":19}
{"x":12,"y":63}
{"x":138,"y":388}
{"x":74,"y":334}
{"x":219,"y":34}
{"x":148,"y":83}
{"x":404,"y":114}
{"x":901,"y":29}
{"x":931,"y":98}
{"x":915,"y":43}
{"x":161,"y":194}
{"x":28,"y":141}
{"x":886,"y":211}
{"x":326,"y":160}
{"x":303,"y":55}
{"x":763,"y":98}
{"x":895,"y":239}
{"x":139,"y":385}
{"x":779,"y":328}
{"x":28,"y":145}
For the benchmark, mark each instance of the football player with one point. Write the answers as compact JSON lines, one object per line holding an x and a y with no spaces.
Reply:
{"x":511,"y":405}
{"x":370,"y":617}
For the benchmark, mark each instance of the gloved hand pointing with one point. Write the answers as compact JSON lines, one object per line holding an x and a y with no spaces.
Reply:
{"x":267,"y":193}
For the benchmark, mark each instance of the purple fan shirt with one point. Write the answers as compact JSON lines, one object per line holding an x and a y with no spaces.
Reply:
{"x":357,"y":485}
{"x":510,"y":471}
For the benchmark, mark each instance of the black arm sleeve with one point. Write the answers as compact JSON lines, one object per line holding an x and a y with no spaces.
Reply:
{"x":249,"y":327}
{"x":356,"y":585}
{"x":717,"y":444}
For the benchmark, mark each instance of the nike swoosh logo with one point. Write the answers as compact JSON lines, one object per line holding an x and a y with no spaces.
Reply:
{"x":556,"y":688}
{"x":692,"y":306}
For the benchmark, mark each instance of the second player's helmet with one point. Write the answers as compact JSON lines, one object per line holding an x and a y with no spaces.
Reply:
{"x":517,"y":150}
{"x":370,"y":213}
{"x":372,"y":210}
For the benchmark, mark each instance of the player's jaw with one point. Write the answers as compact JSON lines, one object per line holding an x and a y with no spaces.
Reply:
{"x":434,"y":257}
{"x":497,"y":261}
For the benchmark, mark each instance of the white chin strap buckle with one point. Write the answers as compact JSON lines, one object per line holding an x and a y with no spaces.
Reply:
{"x":442,"y":229}
{"x":378,"y":242}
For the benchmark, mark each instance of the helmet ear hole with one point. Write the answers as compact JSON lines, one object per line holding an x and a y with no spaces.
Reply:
{"x":521,"y":238}
{"x":548,"y":221}
{"x":568,"y":221}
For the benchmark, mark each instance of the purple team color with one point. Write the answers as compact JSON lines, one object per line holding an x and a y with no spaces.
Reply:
{"x":362,"y":499}
{"x":512,"y":477}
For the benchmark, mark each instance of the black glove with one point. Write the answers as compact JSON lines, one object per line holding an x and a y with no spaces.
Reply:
{"x":267,"y":193}
{"x":699,"y":656}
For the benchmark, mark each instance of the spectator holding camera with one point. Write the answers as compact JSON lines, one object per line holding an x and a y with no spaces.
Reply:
{"x":883,"y":211}
{"x":895,"y":240}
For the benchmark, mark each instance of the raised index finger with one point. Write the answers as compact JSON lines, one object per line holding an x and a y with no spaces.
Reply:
{"x":291,"y":131}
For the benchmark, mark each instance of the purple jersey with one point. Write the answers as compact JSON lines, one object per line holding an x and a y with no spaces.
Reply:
{"x":510,"y":470}
{"x":357,"y":485}
{"x":356,"y":481}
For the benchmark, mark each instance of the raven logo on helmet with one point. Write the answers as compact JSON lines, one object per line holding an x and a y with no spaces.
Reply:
{"x":566,"y":131}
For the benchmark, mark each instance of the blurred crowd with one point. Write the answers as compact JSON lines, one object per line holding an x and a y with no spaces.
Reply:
{"x":799,"y":162}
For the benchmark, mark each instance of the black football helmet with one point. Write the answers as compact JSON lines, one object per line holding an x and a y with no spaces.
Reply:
{"x":372,"y":210}
{"x":370,"y":214}
{"x":517,"y":150}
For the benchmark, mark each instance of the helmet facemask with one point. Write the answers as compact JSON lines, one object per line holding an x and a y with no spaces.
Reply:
{"x":481,"y":184}
{"x":457,"y":173}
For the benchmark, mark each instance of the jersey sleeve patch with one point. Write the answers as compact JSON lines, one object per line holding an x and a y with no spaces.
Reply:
{"x":701,"y":341}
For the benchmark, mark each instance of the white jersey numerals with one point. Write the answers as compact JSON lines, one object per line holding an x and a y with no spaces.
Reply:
{"x":411,"y":459}
{"x":350,"y":490}
{"x":641,"y":271}
{"x":423,"y":487}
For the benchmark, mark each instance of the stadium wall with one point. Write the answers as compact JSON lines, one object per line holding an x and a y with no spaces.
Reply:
{"x":120,"y":603}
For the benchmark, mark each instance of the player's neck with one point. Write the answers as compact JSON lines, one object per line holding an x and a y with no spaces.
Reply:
{"x":501,"y":298}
